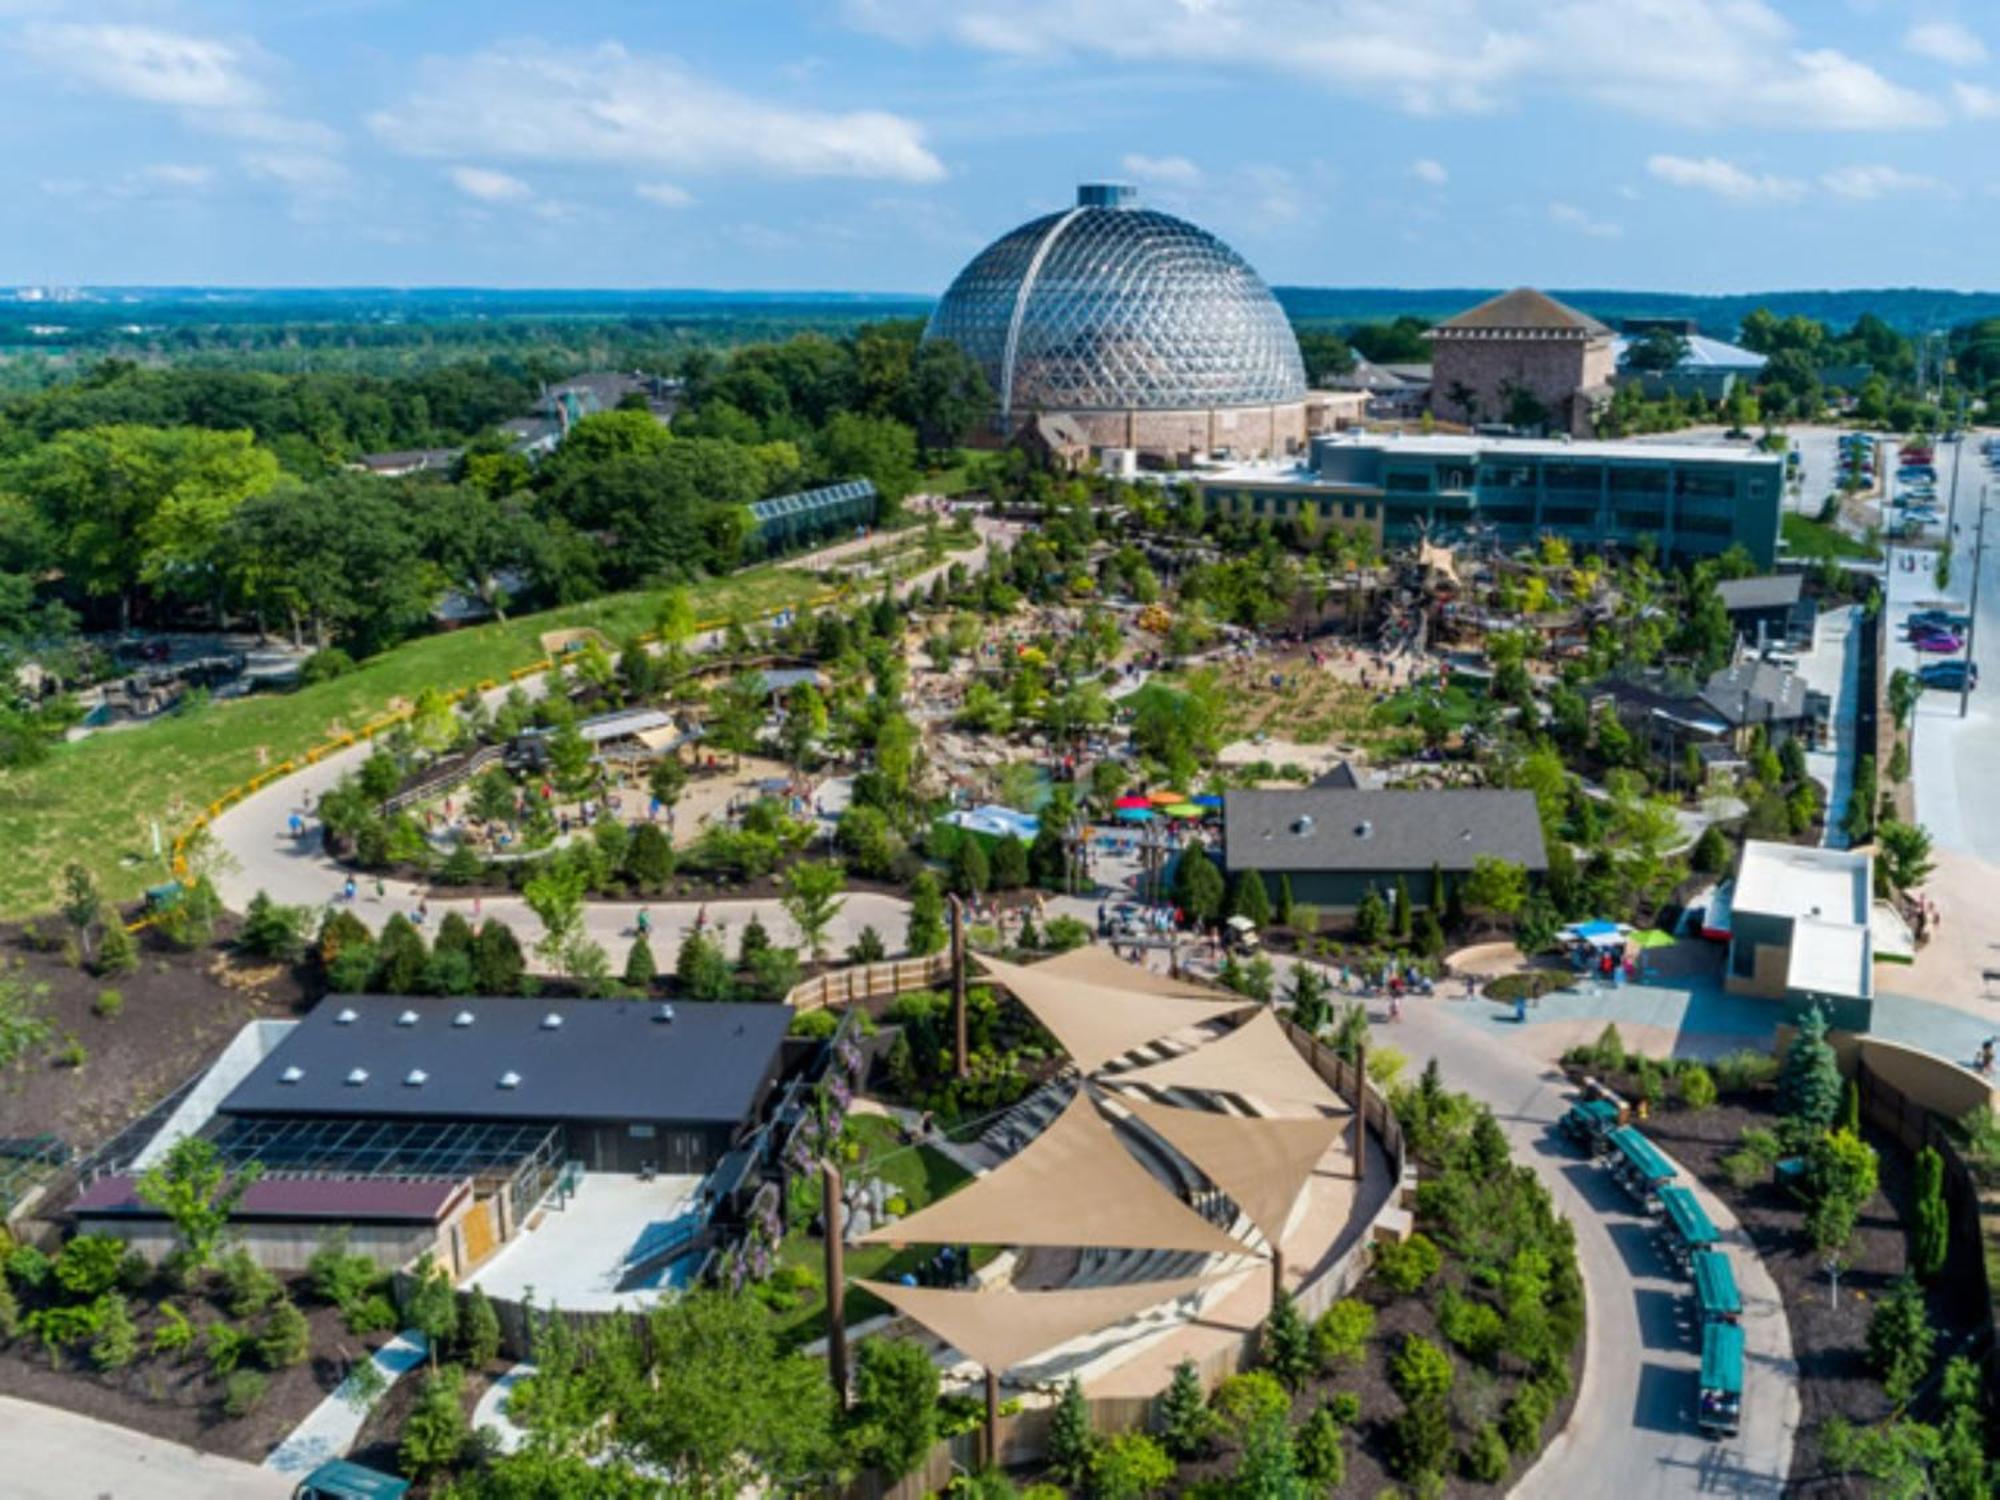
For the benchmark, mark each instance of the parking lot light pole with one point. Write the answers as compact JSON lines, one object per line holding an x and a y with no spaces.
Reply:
{"x":1972,"y":610}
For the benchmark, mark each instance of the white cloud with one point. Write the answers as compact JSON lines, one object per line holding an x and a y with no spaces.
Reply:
{"x":1975,"y":101}
{"x":1168,"y":171}
{"x":307,"y":173}
{"x":1569,"y":216}
{"x":664,"y":194}
{"x":1947,"y":42}
{"x":160,"y":180}
{"x":529,"y":102}
{"x":1871,"y":182}
{"x":1701,"y":62}
{"x":139,"y":62}
{"x":1424,"y":169}
{"x":1711,"y":174}
{"x":489,"y":186}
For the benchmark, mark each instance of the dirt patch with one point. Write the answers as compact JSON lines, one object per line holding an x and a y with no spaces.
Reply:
{"x":179,"y":1399}
{"x":175,"y":1012}
{"x":1828,"y":1339}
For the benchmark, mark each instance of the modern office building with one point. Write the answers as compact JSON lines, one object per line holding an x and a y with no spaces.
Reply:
{"x":1799,"y":924}
{"x":1522,"y":359}
{"x":1149,"y":333}
{"x":1692,"y":501}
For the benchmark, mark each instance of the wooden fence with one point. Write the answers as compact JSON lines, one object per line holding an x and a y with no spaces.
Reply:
{"x":869,"y":982}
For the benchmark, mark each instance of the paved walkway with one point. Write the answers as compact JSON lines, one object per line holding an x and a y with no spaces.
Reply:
{"x":330,"y":1428}
{"x":1632,"y":1432}
{"x":492,"y":1408}
{"x":47,"y":1453}
{"x":1833,"y":667}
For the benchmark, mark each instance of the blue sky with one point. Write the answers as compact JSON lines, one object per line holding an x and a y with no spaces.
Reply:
{"x":1703,"y":145}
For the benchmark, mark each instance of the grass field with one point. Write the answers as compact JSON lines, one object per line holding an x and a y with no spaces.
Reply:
{"x":95,"y":802}
{"x":1804,"y":537}
{"x":922,"y":1175}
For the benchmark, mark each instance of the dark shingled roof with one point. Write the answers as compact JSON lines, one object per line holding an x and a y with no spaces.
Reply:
{"x":1523,"y":310}
{"x":422,"y":1200}
{"x":1755,"y":692}
{"x":1767,"y":591}
{"x":608,"y":1060}
{"x":1362,"y":831}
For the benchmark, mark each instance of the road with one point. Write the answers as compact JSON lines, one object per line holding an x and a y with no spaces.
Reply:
{"x":1632,"y":1433}
{"x":50,"y":1454}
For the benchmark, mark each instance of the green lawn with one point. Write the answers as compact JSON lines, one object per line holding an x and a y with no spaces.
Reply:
{"x":1401,"y":709}
{"x":95,"y":802}
{"x":1805,"y":537}
{"x":923,"y":1175}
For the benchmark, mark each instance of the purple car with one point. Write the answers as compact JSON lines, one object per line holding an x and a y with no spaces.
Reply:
{"x":1942,"y":643}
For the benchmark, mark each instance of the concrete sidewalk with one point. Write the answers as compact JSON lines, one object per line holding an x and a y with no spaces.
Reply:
{"x":330,"y":1428}
{"x":47,"y":1453}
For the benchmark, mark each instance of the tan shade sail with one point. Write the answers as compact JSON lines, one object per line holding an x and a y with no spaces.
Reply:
{"x":1093,"y":964}
{"x":1262,"y":1164}
{"x":1096,"y":1023}
{"x":1256,"y":1060}
{"x":1074,"y":1184}
{"x":1000,"y":1329}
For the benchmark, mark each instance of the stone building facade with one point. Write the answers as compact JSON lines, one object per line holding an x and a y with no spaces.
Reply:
{"x":1523,"y":359}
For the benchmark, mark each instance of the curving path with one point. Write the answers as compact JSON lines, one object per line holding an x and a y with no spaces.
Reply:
{"x":1632,"y":1431}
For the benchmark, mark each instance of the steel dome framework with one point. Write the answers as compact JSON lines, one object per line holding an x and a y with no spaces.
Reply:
{"x":1111,"y":307}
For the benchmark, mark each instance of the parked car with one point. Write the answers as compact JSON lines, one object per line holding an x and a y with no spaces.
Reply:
{"x":1943,"y":643}
{"x":1951,"y":676}
{"x":1950,"y":619}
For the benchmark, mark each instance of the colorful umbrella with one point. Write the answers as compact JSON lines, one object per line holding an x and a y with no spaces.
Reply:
{"x":1135,"y":802}
{"x":1135,"y":815}
{"x":1652,"y":937}
{"x":1206,"y":799}
{"x":1182,"y":810}
{"x":1168,"y":799}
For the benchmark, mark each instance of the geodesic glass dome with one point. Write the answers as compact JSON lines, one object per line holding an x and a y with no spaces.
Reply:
{"x":1111,"y":307}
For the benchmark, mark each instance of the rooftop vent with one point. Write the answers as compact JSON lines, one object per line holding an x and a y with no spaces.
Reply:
{"x":1107,"y":195}
{"x":407,"y":1018}
{"x":552,"y":1021}
{"x":357,"y":1075}
{"x":416,"y":1078}
{"x":463,"y":1018}
{"x":664,"y":1013}
{"x":510,"y":1079}
{"x":1304,"y":825}
{"x":291,"y":1075}
{"x":347,"y":1017}
{"x":1364,"y":829}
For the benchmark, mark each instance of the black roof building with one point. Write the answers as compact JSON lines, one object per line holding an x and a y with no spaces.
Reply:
{"x":1756,"y":692}
{"x":629,"y":1082}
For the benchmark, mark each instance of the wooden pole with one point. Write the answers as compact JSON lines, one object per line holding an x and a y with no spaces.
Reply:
{"x":992,"y":1420}
{"x":961,"y":1057}
{"x":836,"y":1281}
{"x":1277,"y":1275}
{"x":1360,"y":1106}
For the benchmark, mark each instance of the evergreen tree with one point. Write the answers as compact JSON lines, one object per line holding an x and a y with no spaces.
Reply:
{"x":1850,"y":1107}
{"x":1185,"y":1421}
{"x":639,"y":966}
{"x":1282,"y":913}
{"x":498,"y":967}
{"x":1071,"y":1443}
{"x":1288,"y":1343}
{"x":649,"y":858}
{"x":756,"y":939}
{"x":1250,"y":899}
{"x":1400,"y":912}
{"x":926,"y":933}
{"x":1197,"y":887}
{"x":1809,"y":1088}
{"x":1009,"y":865}
{"x":1438,"y":897}
{"x":1269,"y":1467}
{"x":479,"y":1330}
{"x":1371,"y":918}
{"x":1930,"y":1234}
{"x":400,"y":957}
{"x":970,"y":871}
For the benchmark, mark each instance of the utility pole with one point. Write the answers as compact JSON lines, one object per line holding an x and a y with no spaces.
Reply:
{"x":1972,"y":611}
{"x":961,"y":1058}
{"x":1951,"y":506}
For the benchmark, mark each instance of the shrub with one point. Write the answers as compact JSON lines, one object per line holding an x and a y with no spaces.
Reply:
{"x":117,"y":953}
{"x":1321,"y":1457}
{"x":1744,"y":1069}
{"x":436,"y":1432}
{"x":1420,"y":1371}
{"x":225,"y":1347}
{"x":116,"y":1343}
{"x":1608,"y":1055}
{"x":1071,"y":1443}
{"x":287,"y":1338}
{"x":1185,"y":1420}
{"x":374,"y":1313}
{"x":250,"y":1288}
{"x":27,"y":1267}
{"x":1129,"y":1465}
{"x":72,"y":1054}
{"x":1404,"y":1266}
{"x":175,"y":1335}
{"x":1288,"y":1343}
{"x":339,"y":1276}
{"x":479,"y":1329}
{"x":108,"y":1005}
{"x":1697,"y":1087}
{"x":1346,"y":1407}
{"x":243,"y":1392}
{"x":87,"y":1266}
{"x":324,"y":665}
{"x":10,"y":1314}
{"x":1900,"y":1341}
{"x":1342,"y":1330}
{"x":1485,"y":1460}
{"x":895,"y":1405}
{"x":1930,"y":1231}
{"x":1242,"y":1400}
{"x":1471,"y":1325}
{"x":1521,"y":1423}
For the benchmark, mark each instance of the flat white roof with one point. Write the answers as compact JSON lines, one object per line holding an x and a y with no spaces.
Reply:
{"x":1789,"y":880}
{"x":1831,"y":958}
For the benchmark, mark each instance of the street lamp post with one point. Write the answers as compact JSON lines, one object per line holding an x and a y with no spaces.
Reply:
{"x":1972,"y":610}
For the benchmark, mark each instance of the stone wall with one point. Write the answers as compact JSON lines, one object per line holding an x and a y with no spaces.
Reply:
{"x":1557,"y":371}
{"x":1182,"y":436}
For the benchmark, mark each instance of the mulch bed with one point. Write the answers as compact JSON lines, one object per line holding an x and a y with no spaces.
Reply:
{"x":377,"y":1445}
{"x":180,"y":1009}
{"x":1828,"y":1340}
{"x":179,"y":1400}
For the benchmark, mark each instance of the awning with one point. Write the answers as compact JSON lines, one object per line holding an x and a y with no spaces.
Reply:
{"x":1256,"y":1060}
{"x":1075,"y":1184}
{"x":1263,"y":1164}
{"x":1094,"y":964}
{"x":660,"y":739}
{"x":999,"y":1329}
{"x":1096,"y":1023}
{"x":1642,"y":1155}
{"x":1722,"y":1358}
{"x":1715,"y":1290}
{"x":1689,"y":1219}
